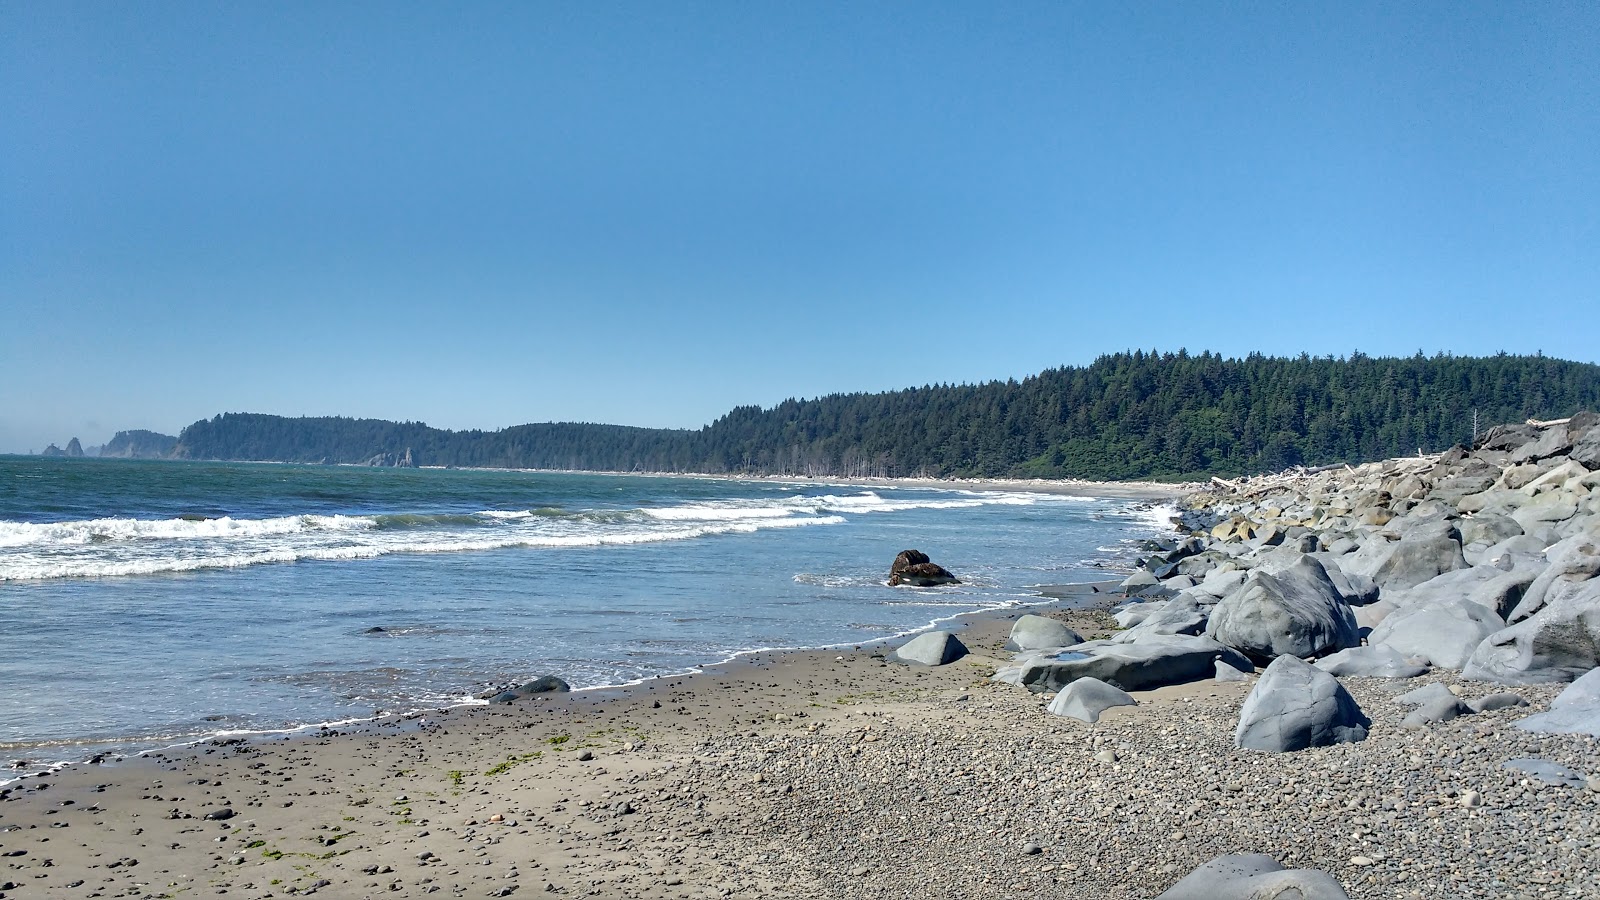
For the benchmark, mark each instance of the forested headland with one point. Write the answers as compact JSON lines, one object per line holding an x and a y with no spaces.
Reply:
{"x":1127,"y":415}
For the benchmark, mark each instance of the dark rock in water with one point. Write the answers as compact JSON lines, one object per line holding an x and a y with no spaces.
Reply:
{"x":376,"y":629}
{"x":74,"y":449}
{"x":1254,"y":875}
{"x":544,"y":684}
{"x":912,"y":567}
{"x":53,"y":450}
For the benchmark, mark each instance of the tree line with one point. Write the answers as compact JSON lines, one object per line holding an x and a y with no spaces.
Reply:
{"x":1138,"y":414}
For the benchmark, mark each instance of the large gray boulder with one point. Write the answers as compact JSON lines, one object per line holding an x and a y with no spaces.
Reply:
{"x":1156,"y":661}
{"x":1296,"y":705}
{"x":1442,"y":632}
{"x":1409,"y":561}
{"x":1039,"y":633}
{"x":936,"y":648}
{"x":1254,"y":876}
{"x":1570,"y":562}
{"x":1180,"y":615}
{"x":1370,"y":662}
{"x":1086,"y":698}
{"x":1296,"y":611}
{"x":1575,"y":710}
{"x":1558,"y":643}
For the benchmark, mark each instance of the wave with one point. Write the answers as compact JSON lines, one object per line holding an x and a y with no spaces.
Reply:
{"x":43,"y":567}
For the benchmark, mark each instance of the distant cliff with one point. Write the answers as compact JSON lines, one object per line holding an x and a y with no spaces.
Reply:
{"x":139,"y":444}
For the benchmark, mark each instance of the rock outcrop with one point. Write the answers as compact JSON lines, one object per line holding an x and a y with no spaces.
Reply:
{"x":913,"y":568}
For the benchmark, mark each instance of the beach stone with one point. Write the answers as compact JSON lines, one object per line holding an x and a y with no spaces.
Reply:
{"x":913,"y":568}
{"x":1428,"y":693}
{"x":1435,"y":711}
{"x":1039,"y":633}
{"x":1296,"y":612}
{"x":1407,"y":562}
{"x":1086,"y":698}
{"x":1180,"y":615}
{"x":1496,"y":701}
{"x":1296,"y":705}
{"x":936,"y":648}
{"x":1152,"y":662}
{"x":1558,"y":643}
{"x":1546,"y":771}
{"x":1575,"y":710}
{"x":1570,"y":562}
{"x":1227,"y":672}
{"x":1370,"y":662}
{"x":1254,"y":876}
{"x":1444,"y":633}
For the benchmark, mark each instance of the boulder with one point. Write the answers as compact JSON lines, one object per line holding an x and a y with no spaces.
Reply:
{"x":936,"y":648}
{"x":1370,"y":662}
{"x":1546,"y":771}
{"x":1550,"y":441}
{"x":1180,"y":615}
{"x":1496,"y":701}
{"x":544,"y":684}
{"x":1428,"y":693}
{"x":912,"y":567}
{"x":1586,"y":448}
{"x":1296,"y":611}
{"x":1546,"y":509}
{"x":1407,"y":562}
{"x":1254,"y":876}
{"x":1442,"y":632}
{"x":1296,"y":705}
{"x":1086,"y":698}
{"x":1575,"y":710}
{"x":1558,"y":643}
{"x":1570,"y":563}
{"x":1039,"y":633}
{"x":1439,"y":709}
{"x":1153,"y":662}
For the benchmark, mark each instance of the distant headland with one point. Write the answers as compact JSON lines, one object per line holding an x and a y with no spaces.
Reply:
{"x":1132,"y":415}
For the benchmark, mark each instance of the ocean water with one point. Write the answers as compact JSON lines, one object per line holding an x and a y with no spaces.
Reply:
{"x":147,"y":603}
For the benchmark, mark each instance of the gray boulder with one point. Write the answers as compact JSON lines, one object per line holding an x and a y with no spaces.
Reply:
{"x":1370,"y":662}
{"x":1296,"y":705}
{"x":1153,"y":662}
{"x":1546,"y":771}
{"x":1039,"y":633}
{"x":1558,"y":643}
{"x":1253,"y":876}
{"x":1086,"y":698}
{"x":1407,"y":562}
{"x":1571,"y":562}
{"x":1180,"y":615}
{"x":1435,"y":711}
{"x":1575,"y":710}
{"x":1496,"y":701}
{"x":1550,"y":441}
{"x":1296,"y":611}
{"x":1428,"y":693}
{"x":1586,"y":448}
{"x":1443,"y":633}
{"x":936,"y":648}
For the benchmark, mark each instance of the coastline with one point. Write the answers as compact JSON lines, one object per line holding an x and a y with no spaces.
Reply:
{"x":548,"y":767}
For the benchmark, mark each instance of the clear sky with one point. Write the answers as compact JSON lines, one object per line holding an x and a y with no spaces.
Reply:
{"x":484,"y":214}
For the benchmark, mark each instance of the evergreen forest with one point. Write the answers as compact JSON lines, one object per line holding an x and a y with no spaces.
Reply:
{"x":1139,"y":414}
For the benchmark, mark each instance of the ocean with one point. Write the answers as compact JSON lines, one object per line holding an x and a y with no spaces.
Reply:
{"x":147,"y":603}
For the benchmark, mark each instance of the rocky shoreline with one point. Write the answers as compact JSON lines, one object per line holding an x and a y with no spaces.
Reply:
{"x":842,"y":774}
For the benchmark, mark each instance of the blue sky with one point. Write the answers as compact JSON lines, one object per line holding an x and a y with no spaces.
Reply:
{"x":478,"y":215}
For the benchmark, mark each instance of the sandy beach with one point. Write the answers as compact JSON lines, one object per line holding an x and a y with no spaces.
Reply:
{"x":807,"y":774}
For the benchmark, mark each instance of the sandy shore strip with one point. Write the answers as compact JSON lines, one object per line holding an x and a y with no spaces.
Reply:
{"x":803,"y":774}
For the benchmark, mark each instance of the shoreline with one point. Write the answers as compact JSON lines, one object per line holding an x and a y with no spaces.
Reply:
{"x":133,"y":819}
